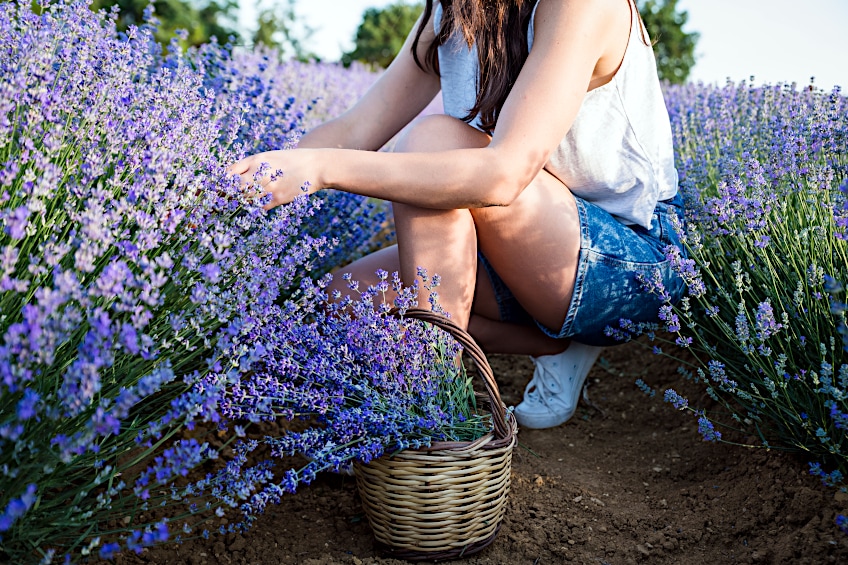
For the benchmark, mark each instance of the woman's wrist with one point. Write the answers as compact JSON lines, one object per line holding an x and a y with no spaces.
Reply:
{"x":318,"y":161}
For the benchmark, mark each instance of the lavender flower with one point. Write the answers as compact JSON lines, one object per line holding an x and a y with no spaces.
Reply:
{"x":842,"y":523}
{"x":831,"y":479}
{"x":675,"y":399}
{"x":707,"y":429}
{"x":644,"y":387}
{"x":17,"y":507}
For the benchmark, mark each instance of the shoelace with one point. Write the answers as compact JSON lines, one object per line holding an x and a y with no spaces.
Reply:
{"x":542,"y":386}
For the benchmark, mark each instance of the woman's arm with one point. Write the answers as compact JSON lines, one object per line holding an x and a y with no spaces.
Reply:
{"x":575,"y":43}
{"x":395,"y":99}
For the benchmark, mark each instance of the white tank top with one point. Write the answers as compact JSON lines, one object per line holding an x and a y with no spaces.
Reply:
{"x":618,"y":153}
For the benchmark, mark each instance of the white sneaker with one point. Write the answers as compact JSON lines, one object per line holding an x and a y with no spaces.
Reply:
{"x":551,"y":396}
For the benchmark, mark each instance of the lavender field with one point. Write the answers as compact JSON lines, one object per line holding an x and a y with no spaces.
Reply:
{"x":153,"y":317}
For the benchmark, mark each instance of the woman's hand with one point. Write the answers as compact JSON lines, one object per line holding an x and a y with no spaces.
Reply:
{"x":283,"y":175}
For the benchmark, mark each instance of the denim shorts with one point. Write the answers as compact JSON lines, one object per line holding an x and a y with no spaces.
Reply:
{"x":607,"y":288}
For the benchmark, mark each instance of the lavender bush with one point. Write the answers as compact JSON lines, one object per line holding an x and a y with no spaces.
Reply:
{"x":279,"y":100}
{"x":763,"y":173}
{"x":134,"y":272}
{"x":366,"y":381}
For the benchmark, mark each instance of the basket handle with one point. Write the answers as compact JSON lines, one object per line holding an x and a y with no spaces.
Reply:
{"x":502,"y":429}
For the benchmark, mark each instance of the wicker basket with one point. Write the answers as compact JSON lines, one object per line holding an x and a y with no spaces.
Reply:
{"x":447,"y":500}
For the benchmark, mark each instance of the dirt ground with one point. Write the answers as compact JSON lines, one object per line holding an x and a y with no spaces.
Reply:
{"x":627,"y":482}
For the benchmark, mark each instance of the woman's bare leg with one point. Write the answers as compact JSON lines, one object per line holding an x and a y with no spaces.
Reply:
{"x":533,"y":245}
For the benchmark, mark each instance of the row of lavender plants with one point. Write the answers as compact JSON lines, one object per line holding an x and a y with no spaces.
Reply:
{"x":144,"y":298}
{"x":764,"y":173}
{"x":137,"y":278}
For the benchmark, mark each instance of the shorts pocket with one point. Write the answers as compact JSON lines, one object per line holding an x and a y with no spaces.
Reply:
{"x":613,"y":291}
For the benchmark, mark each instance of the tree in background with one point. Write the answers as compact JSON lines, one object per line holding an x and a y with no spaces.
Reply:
{"x":202,"y":20}
{"x":277,"y":27}
{"x":382,"y":33}
{"x":673,"y":48}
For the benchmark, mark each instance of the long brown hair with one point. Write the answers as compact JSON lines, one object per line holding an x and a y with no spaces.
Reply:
{"x":499,"y":28}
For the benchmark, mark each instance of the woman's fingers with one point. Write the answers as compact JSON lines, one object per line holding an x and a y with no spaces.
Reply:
{"x":240,"y":167}
{"x":246,"y":170}
{"x":276,"y":188}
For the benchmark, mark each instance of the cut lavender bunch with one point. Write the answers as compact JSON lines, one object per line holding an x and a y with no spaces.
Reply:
{"x":369,"y":381}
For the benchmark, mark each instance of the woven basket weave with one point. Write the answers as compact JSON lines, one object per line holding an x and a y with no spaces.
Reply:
{"x":447,"y":500}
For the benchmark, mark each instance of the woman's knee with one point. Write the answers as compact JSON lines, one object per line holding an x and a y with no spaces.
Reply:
{"x":439,"y":132}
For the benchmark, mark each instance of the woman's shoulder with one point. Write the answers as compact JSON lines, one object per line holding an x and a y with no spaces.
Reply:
{"x":602,"y":27}
{"x":573,"y":12}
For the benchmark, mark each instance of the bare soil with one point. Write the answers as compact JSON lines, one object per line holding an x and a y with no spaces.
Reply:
{"x":626,"y":481}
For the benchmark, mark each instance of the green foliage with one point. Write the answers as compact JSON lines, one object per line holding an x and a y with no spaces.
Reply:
{"x":202,"y":20}
{"x":674,"y":48}
{"x":205,"y":19}
{"x":382,"y":32}
{"x":276,"y":29}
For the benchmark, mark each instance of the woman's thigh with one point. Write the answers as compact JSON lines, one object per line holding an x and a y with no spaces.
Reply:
{"x":533,"y":245}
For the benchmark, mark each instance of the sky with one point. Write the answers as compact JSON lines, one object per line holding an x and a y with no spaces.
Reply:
{"x":772,"y":40}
